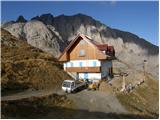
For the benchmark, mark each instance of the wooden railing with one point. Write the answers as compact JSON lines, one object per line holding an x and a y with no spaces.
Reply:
{"x":83,"y":69}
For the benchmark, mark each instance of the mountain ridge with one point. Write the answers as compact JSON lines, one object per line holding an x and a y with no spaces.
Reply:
{"x":53,"y":34}
{"x":80,"y":15}
{"x":62,"y":15}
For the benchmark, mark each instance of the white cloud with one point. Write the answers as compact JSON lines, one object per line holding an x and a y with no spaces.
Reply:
{"x":113,"y":2}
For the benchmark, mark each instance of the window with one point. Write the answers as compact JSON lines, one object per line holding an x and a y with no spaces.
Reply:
{"x":82,"y":53}
{"x":80,"y":64}
{"x":94,"y":63}
{"x":68,"y":64}
{"x":66,"y":84}
{"x":71,"y":64}
{"x":85,"y":75}
{"x":72,"y":85}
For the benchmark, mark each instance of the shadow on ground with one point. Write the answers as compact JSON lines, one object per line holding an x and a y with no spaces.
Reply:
{"x":26,"y":110}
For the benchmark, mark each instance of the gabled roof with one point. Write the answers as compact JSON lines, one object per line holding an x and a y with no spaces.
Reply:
{"x":100,"y":47}
{"x":103,"y":47}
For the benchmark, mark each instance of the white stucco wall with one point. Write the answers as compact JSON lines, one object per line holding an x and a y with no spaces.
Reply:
{"x":105,"y":65}
{"x":85,"y":63}
{"x":92,"y":76}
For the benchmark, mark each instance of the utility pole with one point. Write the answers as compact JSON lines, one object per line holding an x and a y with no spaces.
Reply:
{"x":124,"y":81}
{"x":144,"y":68}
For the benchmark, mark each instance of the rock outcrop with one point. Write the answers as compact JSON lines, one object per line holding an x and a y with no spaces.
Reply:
{"x":40,"y":36}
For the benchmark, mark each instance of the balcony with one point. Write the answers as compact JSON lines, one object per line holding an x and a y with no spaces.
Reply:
{"x":83,"y":69}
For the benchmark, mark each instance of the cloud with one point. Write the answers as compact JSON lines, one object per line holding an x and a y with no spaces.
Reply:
{"x":107,"y":3}
{"x":113,"y":2}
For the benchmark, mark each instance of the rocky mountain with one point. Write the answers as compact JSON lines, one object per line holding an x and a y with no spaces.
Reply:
{"x":52,"y":34}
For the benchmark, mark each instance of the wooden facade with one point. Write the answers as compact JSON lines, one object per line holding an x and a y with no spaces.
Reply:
{"x":90,"y":51}
{"x":73,"y":50}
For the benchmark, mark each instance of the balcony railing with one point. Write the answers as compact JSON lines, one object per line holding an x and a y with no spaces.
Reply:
{"x":83,"y":69}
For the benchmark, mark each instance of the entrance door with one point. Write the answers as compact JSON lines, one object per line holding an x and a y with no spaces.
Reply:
{"x":85,"y":75}
{"x":77,"y":76}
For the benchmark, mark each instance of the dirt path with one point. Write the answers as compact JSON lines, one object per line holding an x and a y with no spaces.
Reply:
{"x":27,"y":94}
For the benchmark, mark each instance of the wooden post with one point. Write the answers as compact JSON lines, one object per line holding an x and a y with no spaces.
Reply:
{"x":124,"y":83}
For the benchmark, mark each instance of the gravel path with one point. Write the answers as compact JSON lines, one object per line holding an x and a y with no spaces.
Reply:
{"x":96,"y":101}
{"x":90,"y":101}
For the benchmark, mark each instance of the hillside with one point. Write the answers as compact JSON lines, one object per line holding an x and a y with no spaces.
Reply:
{"x":26,"y":67}
{"x":53,"y":33}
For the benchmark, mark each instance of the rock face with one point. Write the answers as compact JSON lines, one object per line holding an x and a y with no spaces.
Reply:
{"x":15,"y":29}
{"x":53,"y":34}
{"x":40,"y":36}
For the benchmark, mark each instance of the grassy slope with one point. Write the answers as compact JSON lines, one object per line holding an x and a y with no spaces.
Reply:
{"x":143,"y":99}
{"x":24,"y":66}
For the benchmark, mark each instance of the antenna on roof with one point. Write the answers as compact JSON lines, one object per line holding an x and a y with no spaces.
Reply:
{"x":78,"y":33}
{"x":88,"y":37}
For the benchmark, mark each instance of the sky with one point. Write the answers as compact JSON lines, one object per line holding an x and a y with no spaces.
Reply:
{"x":140,"y":18}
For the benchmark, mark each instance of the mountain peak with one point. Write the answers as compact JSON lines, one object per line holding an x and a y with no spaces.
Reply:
{"x":21,"y":19}
{"x":47,"y":15}
{"x":45,"y":18}
{"x":82,"y":15}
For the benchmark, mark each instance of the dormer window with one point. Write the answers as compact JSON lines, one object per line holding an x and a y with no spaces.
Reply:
{"x":82,"y":53}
